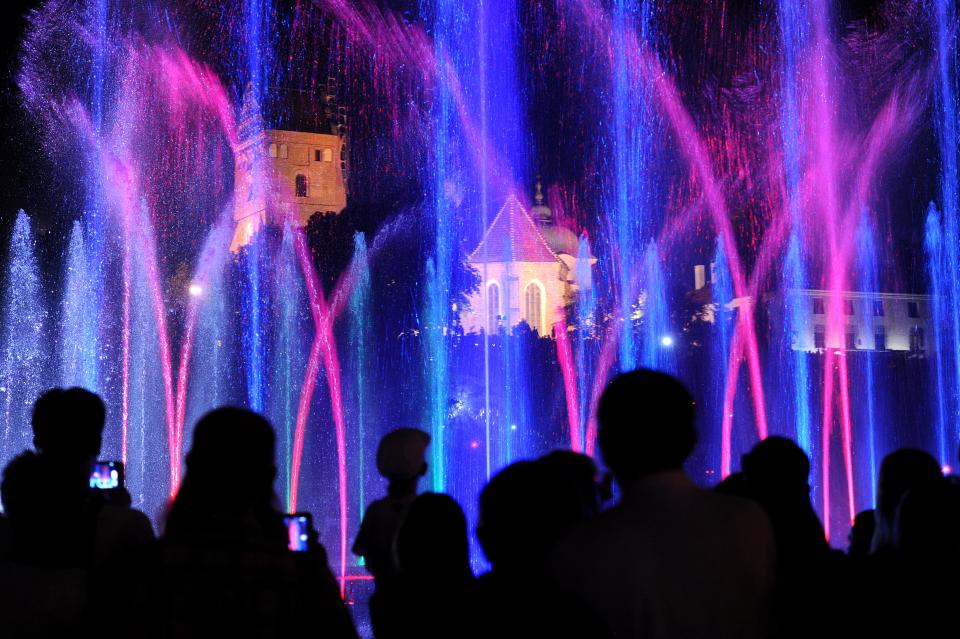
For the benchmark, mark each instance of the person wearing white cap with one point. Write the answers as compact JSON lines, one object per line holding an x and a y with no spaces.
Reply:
{"x":401,"y":459}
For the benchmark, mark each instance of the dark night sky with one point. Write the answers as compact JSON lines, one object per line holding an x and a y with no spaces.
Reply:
{"x":23,"y":167}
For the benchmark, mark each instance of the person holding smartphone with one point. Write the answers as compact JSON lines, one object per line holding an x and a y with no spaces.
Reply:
{"x":68,"y":430}
{"x":224,"y":565}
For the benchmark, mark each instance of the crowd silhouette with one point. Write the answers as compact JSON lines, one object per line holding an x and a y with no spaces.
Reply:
{"x":665,"y":559}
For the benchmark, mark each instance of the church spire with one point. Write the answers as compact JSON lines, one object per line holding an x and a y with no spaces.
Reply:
{"x":540,"y":211}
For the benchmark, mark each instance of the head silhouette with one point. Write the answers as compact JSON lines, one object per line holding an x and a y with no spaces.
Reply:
{"x":900,"y":471}
{"x":645,"y":424}
{"x":927,"y":527}
{"x":861,"y":534}
{"x":526,"y":508}
{"x":576,"y":474}
{"x":777,"y":467}
{"x":432,"y":543}
{"x":68,"y":423}
{"x":230,"y":472}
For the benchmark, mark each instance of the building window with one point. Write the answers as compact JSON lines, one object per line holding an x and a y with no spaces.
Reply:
{"x":301,"y":185}
{"x":913,"y":309}
{"x":284,"y":152}
{"x":818,"y":306}
{"x":880,"y":338}
{"x":848,"y":307}
{"x":819,"y":338}
{"x":533,"y":304}
{"x":316,"y":155}
{"x":493,"y":308}
{"x":272,"y":150}
{"x":878,"y":308}
{"x":327,"y":154}
{"x":851,"y":341}
{"x":917,"y":341}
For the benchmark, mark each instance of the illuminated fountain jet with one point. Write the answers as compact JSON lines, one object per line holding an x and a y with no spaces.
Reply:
{"x":281,"y":166}
{"x":529,"y":270}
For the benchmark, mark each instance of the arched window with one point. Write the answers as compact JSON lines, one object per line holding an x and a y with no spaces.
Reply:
{"x":327,"y":154}
{"x":533,"y":305}
{"x":301,"y":185}
{"x":493,"y":307}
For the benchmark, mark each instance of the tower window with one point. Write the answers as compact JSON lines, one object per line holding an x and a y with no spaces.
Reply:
{"x":327,"y":154}
{"x":848,"y":307}
{"x":284,"y":152}
{"x":301,"y":185}
{"x":493,"y":307}
{"x":851,"y":341}
{"x":878,"y":308}
{"x":913,"y":309}
{"x":819,"y":338}
{"x":272,"y":150}
{"x":818,"y":306}
{"x":533,"y":304}
{"x":316,"y":155}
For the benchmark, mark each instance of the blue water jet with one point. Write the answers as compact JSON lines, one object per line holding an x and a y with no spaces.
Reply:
{"x":946,"y":125}
{"x":657,"y":339}
{"x":869,"y":282}
{"x":586,"y":310}
{"x":24,"y":338}
{"x":78,"y":348}
{"x":359,"y":311}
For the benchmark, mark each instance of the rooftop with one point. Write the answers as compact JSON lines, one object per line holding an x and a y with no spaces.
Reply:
{"x":513,"y":236}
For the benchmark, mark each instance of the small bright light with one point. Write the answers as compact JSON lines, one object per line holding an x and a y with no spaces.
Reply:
{"x":666,"y":341}
{"x":195,"y":290}
{"x":947,"y":470}
{"x":474,"y":444}
{"x":513,"y":427}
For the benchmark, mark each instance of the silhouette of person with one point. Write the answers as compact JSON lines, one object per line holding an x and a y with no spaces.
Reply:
{"x":926,"y":540}
{"x":223,"y":567}
{"x":582,"y":474}
{"x":734,"y":484}
{"x":43,"y":576}
{"x":524,"y":510}
{"x":776,"y":474}
{"x":401,"y":460}
{"x":669,"y":559}
{"x":900,"y":471}
{"x":882,"y":603}
{"x":861,"y":534}
{"x":67,"y":432}
{"x":428,"y":596}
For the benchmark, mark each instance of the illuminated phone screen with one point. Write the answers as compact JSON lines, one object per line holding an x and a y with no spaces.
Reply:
{"x":105,"y":476}
{"x":298,"y":527}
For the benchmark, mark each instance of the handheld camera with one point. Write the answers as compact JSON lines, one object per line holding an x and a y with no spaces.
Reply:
{"x":107,"y":475}
{"x":298,"y":526}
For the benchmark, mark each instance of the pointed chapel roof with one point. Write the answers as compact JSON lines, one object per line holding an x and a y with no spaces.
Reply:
{"x":513,"y":236}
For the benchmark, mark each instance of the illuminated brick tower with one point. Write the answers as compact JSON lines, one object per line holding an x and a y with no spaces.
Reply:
{"x":275,"y":168}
